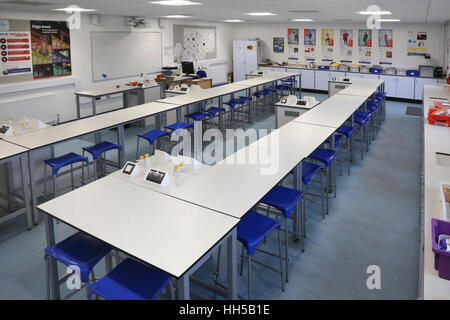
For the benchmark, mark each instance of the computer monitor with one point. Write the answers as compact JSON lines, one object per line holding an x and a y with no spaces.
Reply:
{"x":187,"y":67}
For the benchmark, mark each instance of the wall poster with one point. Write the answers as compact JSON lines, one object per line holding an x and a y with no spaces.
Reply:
{"x":327,"y":44}
{"x":346,"y":44}
{"x":15,"y":54}
{"x":194,"y":43}
{"x":385,"y":45}
{"x":365,"y":46}
{"x":417,"y":43}
{"x":309,"y":41}
{"x":50,"y":43}
{"x":278,"y":44}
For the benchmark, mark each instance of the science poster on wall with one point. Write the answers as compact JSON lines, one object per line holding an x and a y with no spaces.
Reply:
{"x":15,"y":54}
{"x":309,"y":41}
{"x":278,"y":44}
{"x":365,"y":46}
{"x":346,"y":45}
{"x":293,"y":36}
{"x":327,"y":44}
{"x":50,"y":43}
{"x":417,"y":43}
{"x":385,"y":45}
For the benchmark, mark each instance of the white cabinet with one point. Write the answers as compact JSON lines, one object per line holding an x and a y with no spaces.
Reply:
{"x":245,"y":58}
{"x":370,"y":76}
{"x":322,"y":78}
{"x":308,"y":77}
{"x":390,"y":85}
{"x":405,"y":87}
{"x":353,"y":75}
{"x":418,"y":87}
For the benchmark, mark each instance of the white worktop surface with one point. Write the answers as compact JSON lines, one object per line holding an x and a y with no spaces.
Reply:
{"x":234,"y":188}
{"x":362,"y":87}
{"x":332,"y":112}
{"x":51,"y":135}
{"x":137,"y":112}
{"x":10,"y":150}
{"x":437,"y":139}
{"x":269,"y":76}
{"x":165,"y":232}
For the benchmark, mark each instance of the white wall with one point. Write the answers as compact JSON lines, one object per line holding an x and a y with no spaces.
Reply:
{"x":435,"y":43}
{"x":82,"y":66}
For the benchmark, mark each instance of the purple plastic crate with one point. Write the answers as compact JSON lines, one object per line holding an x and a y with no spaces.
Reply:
{"x":441,"y":257}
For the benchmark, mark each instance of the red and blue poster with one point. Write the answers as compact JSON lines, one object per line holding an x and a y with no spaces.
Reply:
{"x":15,"y":54}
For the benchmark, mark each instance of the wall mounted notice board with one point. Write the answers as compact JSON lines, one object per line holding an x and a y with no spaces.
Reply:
{"x":125,"y":54}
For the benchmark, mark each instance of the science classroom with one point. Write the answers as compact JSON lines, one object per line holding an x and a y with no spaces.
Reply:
{"x":225,"y":150}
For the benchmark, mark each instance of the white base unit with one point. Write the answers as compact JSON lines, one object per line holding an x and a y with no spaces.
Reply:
{"x":308,"y":79}
{"x":405,"y":88}
{"x":418,"y":87}
{"x":322,"y":78}
{"x":390,"y":85}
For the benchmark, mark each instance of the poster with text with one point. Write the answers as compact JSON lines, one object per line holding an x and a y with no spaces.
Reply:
{"x":417,"y":43}
{"x":293,"y":52}
{"x":309,"y":41}
{"x":385,"y":44}
{"x":365,"y":38}
{"x":346,"y":45}
{"x":293,"y":36}
{"x":278,"y":44}
{"x":15,"y":54}
{"x":328,"y":37}
{"x":50,"y":44}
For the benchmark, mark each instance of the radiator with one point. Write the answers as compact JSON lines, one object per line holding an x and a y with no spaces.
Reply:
{"x":34,"y":106}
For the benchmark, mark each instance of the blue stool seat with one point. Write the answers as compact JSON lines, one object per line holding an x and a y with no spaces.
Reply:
{"x":281,"y":87}
{"x":179,"y":126}
{"x":152,"y":135}
{"x":131,"y":280}
{"x":337,"y":140}
{"x":361,"y":121}
{"x":268,"y":92}
{"x":346,"y":131}
{"x":100,"y":148}
{"x":257,"y":94}
{"x":233,"y":103}
{"x":253,"y":228}
{"x":363,"y":114}
{"x":283,"y":199}
{"x":79,"y":250}
{"x":65,"y":160}
{"x":197,"y":116}
{"x":325,"y":156}
{"x":372,"y":108}
{"x":244,"y":100}
{"x":308,"y":170}
{"x":213,"y":111}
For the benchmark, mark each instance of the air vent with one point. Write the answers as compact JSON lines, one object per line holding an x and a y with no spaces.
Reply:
{"x":304,"y":11}
{"x":29,"y":3}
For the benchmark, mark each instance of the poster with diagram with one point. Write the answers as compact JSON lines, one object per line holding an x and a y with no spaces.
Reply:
{"x":385,"y":45}
{"x":194,"y":43}
{"x":365,"y":46}
{"x":327,"y":44}
{"x":309,"y":42}
{"x":15,"y":54}
{"x":50,"y":44}
{"x":346,"y":45}
{"x":417,"y":43}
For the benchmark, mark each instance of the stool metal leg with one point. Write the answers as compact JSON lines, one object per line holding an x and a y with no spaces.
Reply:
{"x":281,"y":259}
{"x":249,"y":275}
{"x":286,"y":248}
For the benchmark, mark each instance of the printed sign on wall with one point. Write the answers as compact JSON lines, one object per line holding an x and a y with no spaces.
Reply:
{"x":278,"y":44}
{"x":309,"y":41}
{"x":417,"y":43}
{"x":50,"y":43}
{"x":15,"y":54}
{"x":327,"y":44}
{"x":385,"y":45}
{"x":365,"y":45}
{"x":346,"y":44}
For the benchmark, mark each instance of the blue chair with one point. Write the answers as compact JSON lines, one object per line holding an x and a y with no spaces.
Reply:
{"x":201,"y":74}
{"x":79,"y":250}
{"x":326,"y":157}
{"x":62,"y":161}
{"x":151,"y":136}
{"x":251,"y":230}
{"x":130,"y":280}
{"x":101,"y":149}
{"x":284,"y":200}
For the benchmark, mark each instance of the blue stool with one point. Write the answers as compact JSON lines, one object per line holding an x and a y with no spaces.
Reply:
{"x":258,"y":95}
{"x":130,"y":280}
{"x":244,"y":107}
{"x":284,"y":200}
{"x":252,"y":229}
{"x":361,"y":122}
{"x":233,"y":103}
{"x":100,"y":149}
{"x":326,"y":157}
{"x":79,"y":250}
{"x":347,"y":132}
{"x":151,"y":136}
{"x":62,"y":161}
{"x":215,"y":112}
{"x":179,"y":126}
{"x":308,"y":171}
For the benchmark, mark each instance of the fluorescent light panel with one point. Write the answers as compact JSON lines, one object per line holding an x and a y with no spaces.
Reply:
{"x":261,"y":14}
{"x":75,"y":9}
{"x":302,"y":20}
{"x":374,"y":12}
{"x":388,"y":20}
{"x":234,"y":20}
{"x":175,"y":3}
{"x":176,"y":16}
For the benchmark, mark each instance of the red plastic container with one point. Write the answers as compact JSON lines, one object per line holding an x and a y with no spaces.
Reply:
{"x":439,"y":120}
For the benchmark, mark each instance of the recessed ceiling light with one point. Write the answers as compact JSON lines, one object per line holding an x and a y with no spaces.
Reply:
{"x":388,"y":20}
{"x":234,"y":20}
{"x":177,"y":16}
{"x":75,"y":9}
{"x":302,"y":20}
{"x":261,"y":14}
{"x":175,"y":3}
{"x":304,"y":11}
{"x":374,"y":12}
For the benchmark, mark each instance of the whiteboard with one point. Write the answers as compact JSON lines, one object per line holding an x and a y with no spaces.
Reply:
{"x":125,"y":54}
